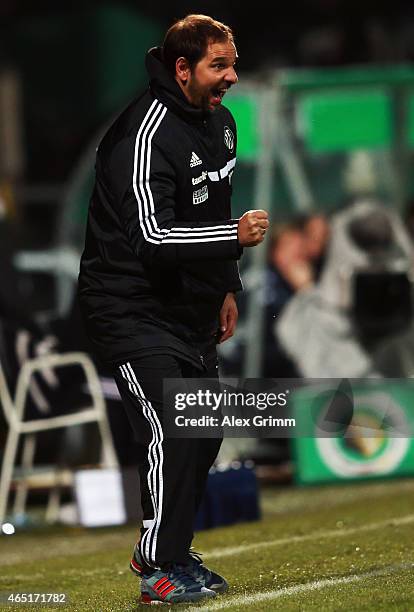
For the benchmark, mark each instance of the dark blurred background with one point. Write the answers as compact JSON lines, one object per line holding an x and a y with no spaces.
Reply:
{"x":67,"y":53}
{"x":344,"y":132}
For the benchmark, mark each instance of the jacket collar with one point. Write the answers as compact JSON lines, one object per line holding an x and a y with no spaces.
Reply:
{"x":167,"y":90}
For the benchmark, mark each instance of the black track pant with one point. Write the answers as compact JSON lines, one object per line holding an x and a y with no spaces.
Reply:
{"x":173,"y":472}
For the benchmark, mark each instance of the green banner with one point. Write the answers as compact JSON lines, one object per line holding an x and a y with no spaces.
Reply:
{"x":353,"y":455}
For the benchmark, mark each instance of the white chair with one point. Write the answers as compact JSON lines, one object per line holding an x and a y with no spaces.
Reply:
{"x":14,"y":412}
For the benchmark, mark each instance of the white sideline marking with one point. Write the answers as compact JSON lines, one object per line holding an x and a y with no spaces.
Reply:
{"x":245,"y":600}
{"x":331,"y":533}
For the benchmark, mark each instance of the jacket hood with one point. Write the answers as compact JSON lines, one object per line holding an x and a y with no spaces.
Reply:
{"x":167,"y":90}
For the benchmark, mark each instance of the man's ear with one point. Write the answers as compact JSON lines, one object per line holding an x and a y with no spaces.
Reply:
{"x":182,"y":69}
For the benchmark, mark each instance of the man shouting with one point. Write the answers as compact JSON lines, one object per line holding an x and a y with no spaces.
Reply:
{"x":158,"y":279}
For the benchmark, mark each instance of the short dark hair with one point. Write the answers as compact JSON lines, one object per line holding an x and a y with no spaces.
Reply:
{"x":190,"y":37}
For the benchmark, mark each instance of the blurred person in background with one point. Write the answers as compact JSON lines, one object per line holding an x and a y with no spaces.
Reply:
{"x":316,"y":232}
{"x":296,"y":252}
{"x":296,"y":255}
{"x":289,"y":270}
{"x":334,"y":328}
{"x":158,"y":279}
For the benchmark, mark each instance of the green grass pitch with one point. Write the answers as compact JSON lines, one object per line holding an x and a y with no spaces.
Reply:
{"x":327,"y":548}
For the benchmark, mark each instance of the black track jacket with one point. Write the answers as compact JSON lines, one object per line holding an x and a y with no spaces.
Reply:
{"x":161,"y":247}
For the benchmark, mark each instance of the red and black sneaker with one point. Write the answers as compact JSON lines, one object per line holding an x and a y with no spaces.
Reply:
{"x":173,"y":585}
{"x":137,"y":564}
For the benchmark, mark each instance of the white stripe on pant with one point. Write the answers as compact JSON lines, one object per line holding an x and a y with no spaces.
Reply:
{"x":155,"y":480}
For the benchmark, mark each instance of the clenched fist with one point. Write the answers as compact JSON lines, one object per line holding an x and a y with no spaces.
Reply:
{"x":252,"y":227}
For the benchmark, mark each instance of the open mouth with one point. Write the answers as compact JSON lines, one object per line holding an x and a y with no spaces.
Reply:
{"x":217,"y":95}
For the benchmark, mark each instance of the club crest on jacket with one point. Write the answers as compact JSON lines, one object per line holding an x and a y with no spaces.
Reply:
{"x":228,"y":138}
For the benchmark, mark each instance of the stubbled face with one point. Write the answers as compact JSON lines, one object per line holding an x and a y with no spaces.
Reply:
{"x":214,"y":74}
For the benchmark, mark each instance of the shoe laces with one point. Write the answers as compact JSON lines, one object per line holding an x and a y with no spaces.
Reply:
{"x":179,"y":575}
{"x":196,"y":563}
{"x":195,"y":556}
